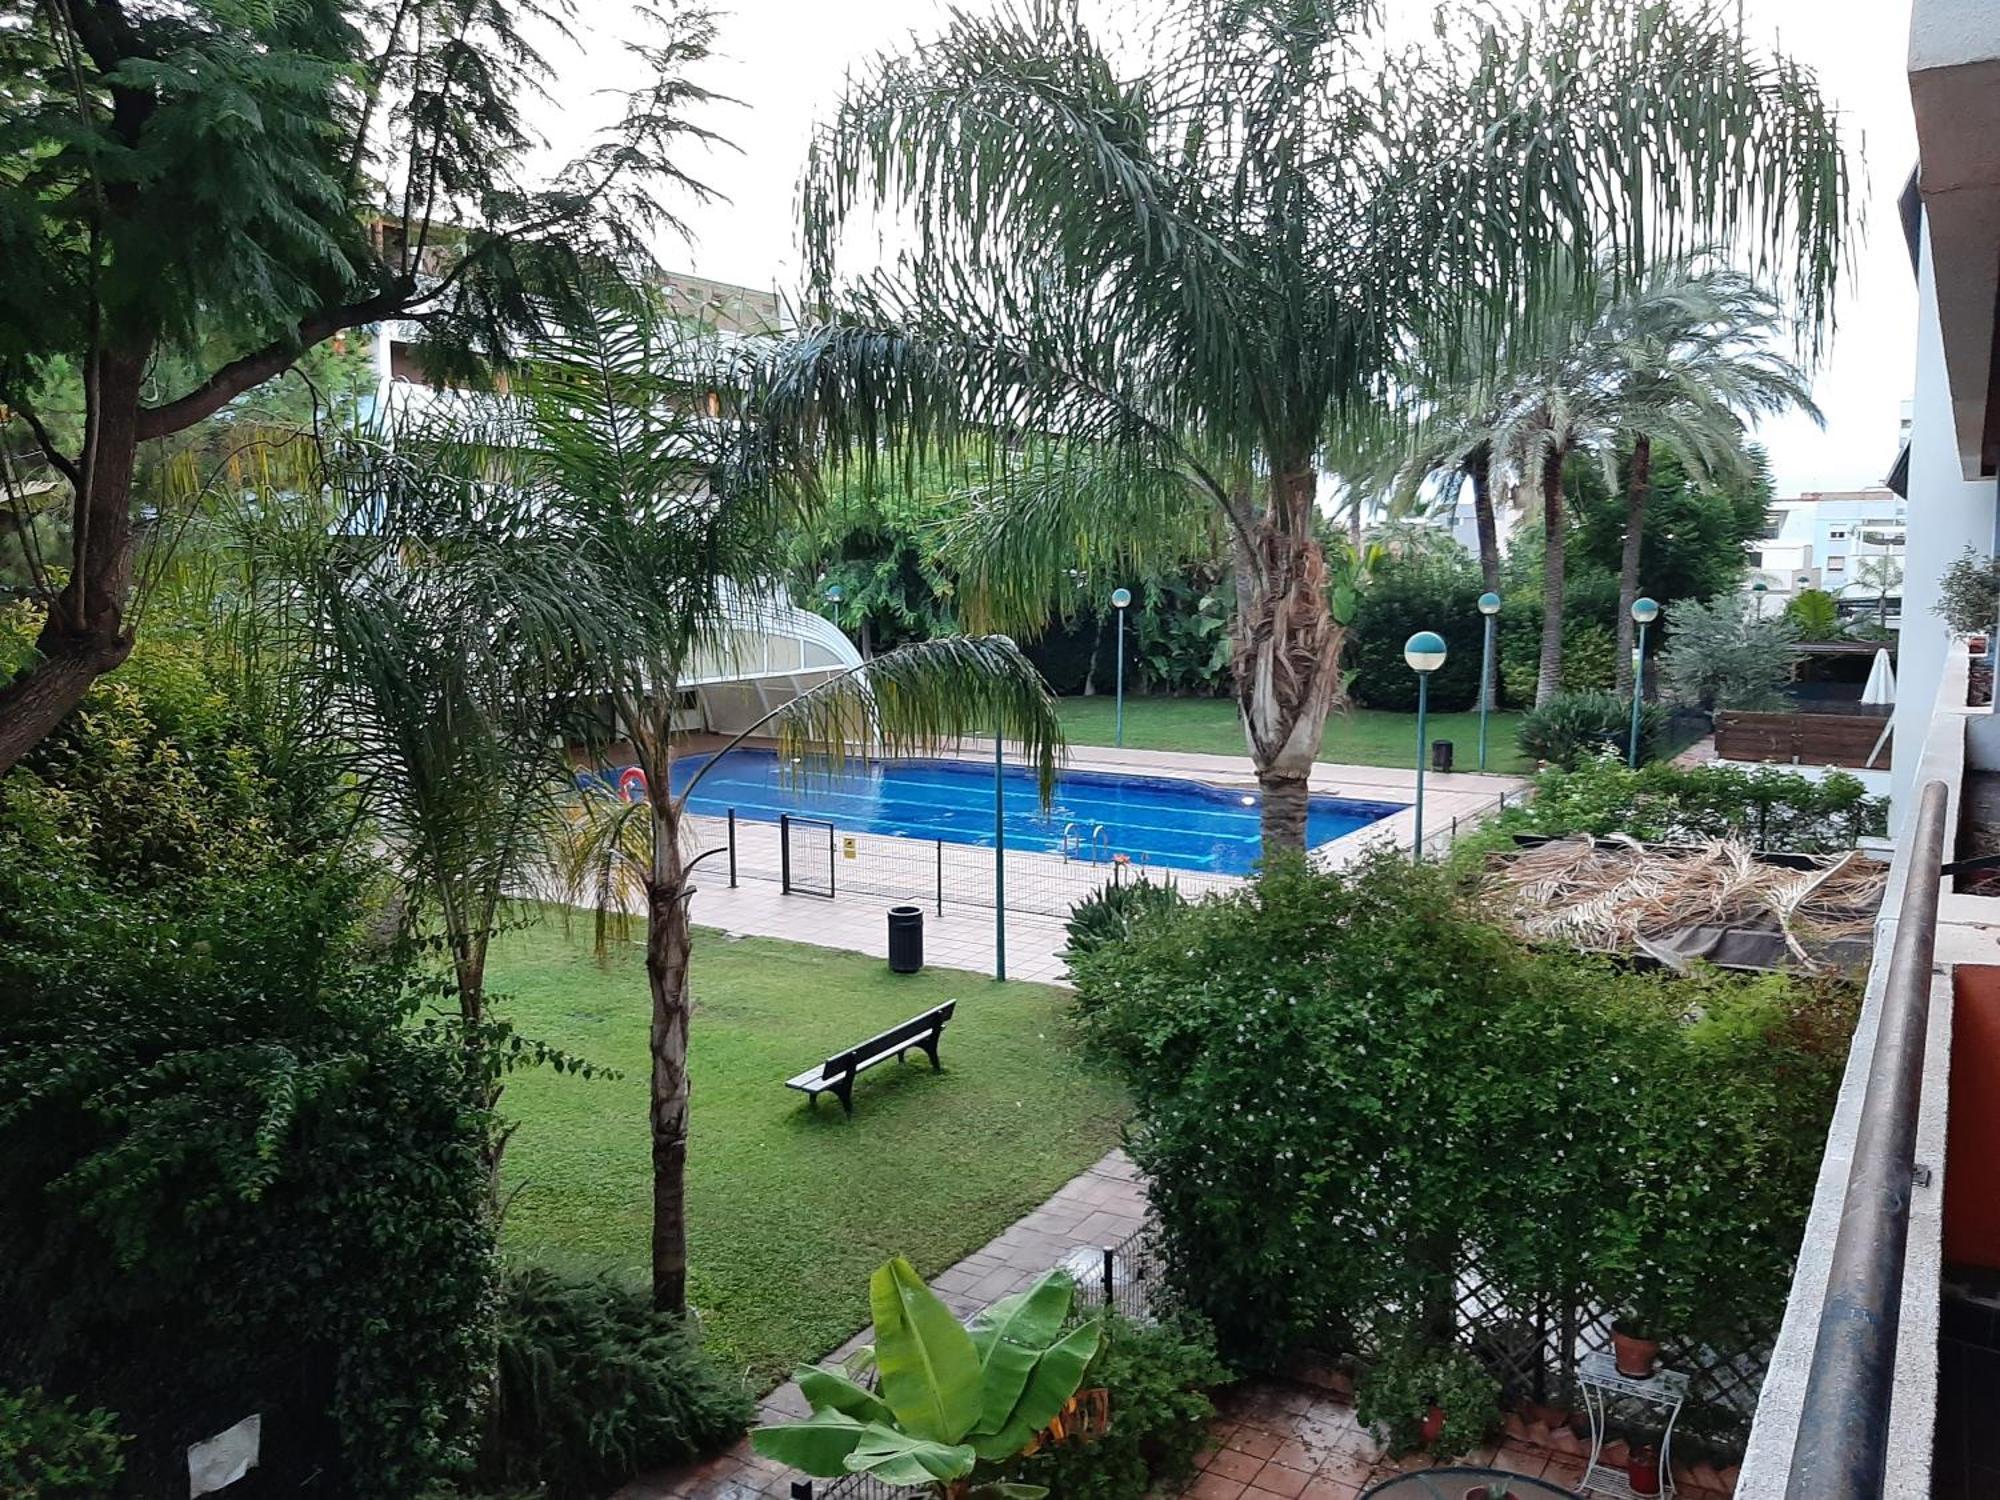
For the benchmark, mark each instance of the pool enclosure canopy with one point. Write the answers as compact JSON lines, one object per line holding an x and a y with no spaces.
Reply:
{"x":769,"y":652}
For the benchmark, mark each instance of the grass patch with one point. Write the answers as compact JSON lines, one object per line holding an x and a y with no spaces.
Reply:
{"x":789,"y":1209}
{"x":1359,"y":737}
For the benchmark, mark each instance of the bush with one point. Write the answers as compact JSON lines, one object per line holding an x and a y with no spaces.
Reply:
{"x":244,"y":1176}
{"x":1158,"y":1376}
{"x":1574,"y":727}
{"x":1350,"y":1094}
{"x":1727,"y":654}
{"x":1403,"y":596}
{"x":594,"y":1386}
{"x":1969,"y":594}
{"x":1110,"y":912}
{"x":1401,"y":1384}
{"x":51,"y":1451}
{"x":1665,"y":803}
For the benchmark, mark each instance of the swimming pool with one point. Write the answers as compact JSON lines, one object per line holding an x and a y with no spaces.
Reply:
{"x":1155,"y":820}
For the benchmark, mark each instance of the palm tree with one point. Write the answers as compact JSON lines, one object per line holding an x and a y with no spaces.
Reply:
{"x":1678,"y":355}
{"x":638,"y":428}
{"x":1881,"y":574}
{"x":1693,"y":357}
{"x":1161,"y":287}
{"x":448,"y":624}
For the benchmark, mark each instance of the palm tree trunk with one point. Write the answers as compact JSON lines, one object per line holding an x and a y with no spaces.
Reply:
{"x":1638,"y":490}
{"x":669,"y":941}
{"x":1548,"y":681}
{"x":1479,"y":469}
{"x":1287,"y":664}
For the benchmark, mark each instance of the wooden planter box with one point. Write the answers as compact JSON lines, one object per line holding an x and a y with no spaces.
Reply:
{"x":1814,"y":739}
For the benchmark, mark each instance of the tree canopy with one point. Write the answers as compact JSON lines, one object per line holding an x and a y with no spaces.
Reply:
{"x":192,"y":195}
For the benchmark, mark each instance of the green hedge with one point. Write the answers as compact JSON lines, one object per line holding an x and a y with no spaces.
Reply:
{"x":1347,"y":1090}
{"x":1401,"y":598}
{"x":1766,"y":807}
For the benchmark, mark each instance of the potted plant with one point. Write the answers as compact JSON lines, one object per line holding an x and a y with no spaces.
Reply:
{"x":1642,"y":1468}
{"x":1634,"y":1353}
{"x":1644,"y":1272}
{"x":1422,"y":1397}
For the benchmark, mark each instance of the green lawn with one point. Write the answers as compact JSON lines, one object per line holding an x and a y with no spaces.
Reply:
{"x":1360,"y":737}
{"x":789,"y":1208}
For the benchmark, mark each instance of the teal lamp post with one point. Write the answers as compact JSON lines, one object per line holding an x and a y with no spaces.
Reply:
{"x":1121,"y":599}
{"x":1424,"y":651}
{"x":1489,"y":606}
{"x":1644,"y":612}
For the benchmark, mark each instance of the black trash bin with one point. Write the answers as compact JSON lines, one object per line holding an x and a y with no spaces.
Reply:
{"x":1440,"y":755}
{"x":906,"y":939}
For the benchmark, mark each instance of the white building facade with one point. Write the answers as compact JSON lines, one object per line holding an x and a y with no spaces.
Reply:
{"x":1846,"y":542}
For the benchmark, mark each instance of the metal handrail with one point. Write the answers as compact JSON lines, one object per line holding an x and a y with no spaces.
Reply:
{"x":1842,"y":1449}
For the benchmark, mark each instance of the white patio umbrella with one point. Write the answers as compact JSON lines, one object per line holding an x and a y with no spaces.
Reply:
{"x":1880,"y":689}
{"x":1881,"y":686}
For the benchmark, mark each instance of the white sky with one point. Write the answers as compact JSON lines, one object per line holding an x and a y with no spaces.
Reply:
{"x":784,"y":61}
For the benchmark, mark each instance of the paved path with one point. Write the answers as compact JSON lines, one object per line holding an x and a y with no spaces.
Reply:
{"x":960,"y":938}
{"x":1097,"y":1207}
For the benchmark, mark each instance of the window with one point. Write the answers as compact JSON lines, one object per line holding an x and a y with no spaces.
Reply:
{"x":1756,"y":559}
{"x":1836,"y":564}
{"x":1837,"y":536}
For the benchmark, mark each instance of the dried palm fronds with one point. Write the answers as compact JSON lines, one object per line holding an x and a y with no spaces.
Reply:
{"x":1618,"y":895}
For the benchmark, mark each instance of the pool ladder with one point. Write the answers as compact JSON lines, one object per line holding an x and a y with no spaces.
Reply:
{"x":1097,"y":850}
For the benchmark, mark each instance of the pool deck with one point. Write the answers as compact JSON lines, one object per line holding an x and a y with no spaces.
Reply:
{"x":963,"y":936}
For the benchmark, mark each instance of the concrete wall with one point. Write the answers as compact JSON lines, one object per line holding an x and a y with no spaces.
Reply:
{"x":1947,"y":513}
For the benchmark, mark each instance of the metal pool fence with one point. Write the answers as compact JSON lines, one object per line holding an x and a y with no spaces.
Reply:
{"x":810,"y":856}
{"x":817,"y":857}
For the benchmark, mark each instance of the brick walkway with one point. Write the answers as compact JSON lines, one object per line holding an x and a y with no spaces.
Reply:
{"x":1096,"y":1208}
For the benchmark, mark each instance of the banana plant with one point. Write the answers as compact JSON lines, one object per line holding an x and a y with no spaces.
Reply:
{"x":949,"y":1395}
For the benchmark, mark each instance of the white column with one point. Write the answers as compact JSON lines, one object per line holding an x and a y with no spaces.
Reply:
{"x":1947,"y":512}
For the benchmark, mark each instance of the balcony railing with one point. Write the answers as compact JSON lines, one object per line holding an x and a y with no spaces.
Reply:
{"x":1842,"y":1450}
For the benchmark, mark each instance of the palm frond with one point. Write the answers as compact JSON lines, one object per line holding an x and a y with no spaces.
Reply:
{"x":921,"y":699}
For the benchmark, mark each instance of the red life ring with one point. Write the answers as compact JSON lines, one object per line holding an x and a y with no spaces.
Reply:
{"x":632,"y":784}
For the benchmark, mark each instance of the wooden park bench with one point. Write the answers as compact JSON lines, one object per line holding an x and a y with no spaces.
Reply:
{"x":836,"y":1075}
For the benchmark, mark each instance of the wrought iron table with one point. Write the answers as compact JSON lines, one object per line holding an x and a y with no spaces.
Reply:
{"x":1665,"y":1391}
{"x":1459,"y":1483}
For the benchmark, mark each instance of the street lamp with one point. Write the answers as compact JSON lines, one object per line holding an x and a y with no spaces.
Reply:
{"x":1120,"y":600}
{"x":1644,"y":612}
{"x":1489,"y":606}
{"x":1424,"y":651}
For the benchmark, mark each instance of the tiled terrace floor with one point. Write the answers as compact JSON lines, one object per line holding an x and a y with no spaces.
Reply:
{"x":1291,"y":1443}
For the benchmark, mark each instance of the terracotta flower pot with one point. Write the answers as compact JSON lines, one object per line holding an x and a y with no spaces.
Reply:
{"x":1433,"y":1428}
{"x":1642,"y":1470}
{"x":1634,"y":1356}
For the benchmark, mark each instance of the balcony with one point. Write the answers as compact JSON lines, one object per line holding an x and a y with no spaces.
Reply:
{"x":1887,"y":1368}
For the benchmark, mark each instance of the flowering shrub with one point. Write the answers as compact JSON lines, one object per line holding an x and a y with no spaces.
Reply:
{"x":1348,"y":1090}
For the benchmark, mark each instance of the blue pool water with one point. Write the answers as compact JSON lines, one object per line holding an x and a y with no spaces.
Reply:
{"x":1184,"y":825}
